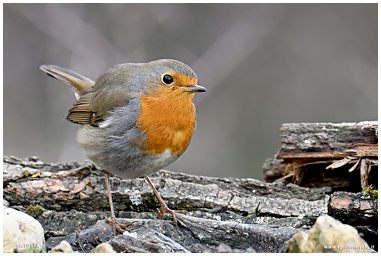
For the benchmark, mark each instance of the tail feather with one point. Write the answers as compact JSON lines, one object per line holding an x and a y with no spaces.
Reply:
{"x":80,"y":84}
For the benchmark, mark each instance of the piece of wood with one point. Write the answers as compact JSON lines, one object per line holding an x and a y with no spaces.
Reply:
{"x":342,"y":156}
{"x":328,"y":140}
{"x":242,"y":213}
{"x":83,"y":187}
{"x":359,"y":210}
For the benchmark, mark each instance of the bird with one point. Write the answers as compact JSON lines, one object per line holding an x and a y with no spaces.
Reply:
{"x":135,"y":119}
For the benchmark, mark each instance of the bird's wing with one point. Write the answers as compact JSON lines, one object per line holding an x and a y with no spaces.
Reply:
{"x":109,"y":92}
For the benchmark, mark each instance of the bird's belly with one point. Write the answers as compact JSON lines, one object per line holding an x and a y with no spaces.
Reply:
{"x":145,"y":164}
{"x":121,"y":155}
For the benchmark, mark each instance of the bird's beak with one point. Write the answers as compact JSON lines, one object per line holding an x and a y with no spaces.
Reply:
{"x":195,"y":88}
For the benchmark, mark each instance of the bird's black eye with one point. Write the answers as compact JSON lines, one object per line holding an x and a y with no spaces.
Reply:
{"x":167,"y":79}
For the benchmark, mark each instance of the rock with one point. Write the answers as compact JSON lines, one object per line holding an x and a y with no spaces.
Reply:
{"x":224,"y":248}
{"x":328,"y":235}
{"x":21,"y":232}
{"x":104,"y":248}
{"x":63,"y":247}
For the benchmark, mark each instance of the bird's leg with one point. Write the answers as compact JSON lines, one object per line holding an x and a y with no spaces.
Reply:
{"x":113,"y":222}
{"x":164,"y":208}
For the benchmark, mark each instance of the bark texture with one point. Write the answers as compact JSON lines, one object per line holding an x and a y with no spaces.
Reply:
{"x":244,"y":214}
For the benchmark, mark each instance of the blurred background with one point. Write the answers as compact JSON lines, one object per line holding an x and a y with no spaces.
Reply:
{"x":263,"y":65}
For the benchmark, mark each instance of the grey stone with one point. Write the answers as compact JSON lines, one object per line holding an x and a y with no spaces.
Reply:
{"x":21,"y":232}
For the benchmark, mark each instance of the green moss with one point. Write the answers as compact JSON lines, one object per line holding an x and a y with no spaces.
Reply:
{"x":372,"y":192}
{"x":35,"y":211}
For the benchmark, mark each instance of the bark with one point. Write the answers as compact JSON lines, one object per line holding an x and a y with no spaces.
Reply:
{"x":244,"y":214}
{"x":328,"y":140}
{"x":341,"y":156}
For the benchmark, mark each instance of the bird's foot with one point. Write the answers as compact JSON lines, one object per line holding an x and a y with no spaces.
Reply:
{"x":116,"y":226}
{"x":164,"y":209}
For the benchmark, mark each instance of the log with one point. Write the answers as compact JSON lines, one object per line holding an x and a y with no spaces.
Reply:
{"x":341,"y":156}
{"x":223,"y":214}
{"x":244,"y":214}
{"x":328,"y":140}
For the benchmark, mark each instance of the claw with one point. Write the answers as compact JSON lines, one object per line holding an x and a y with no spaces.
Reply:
{"x":116,"y":226}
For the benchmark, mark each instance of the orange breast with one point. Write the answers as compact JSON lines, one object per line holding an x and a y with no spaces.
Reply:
{"x":168,"y":120}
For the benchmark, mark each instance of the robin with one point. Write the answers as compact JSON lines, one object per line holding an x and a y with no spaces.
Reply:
{"x":135,"y":119}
